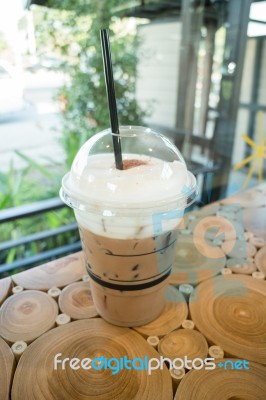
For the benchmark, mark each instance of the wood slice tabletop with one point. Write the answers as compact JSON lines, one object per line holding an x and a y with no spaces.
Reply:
{"x":230,"y":312}
{"x":82,"y":339}
{"x":191,"y":266}
{"x":253,"y":213}
{"x":26,"y":315}
{"x":76,"y":301}
{"x":241,"y":266}
{"x":174,"y":313}
{"x":255,"y":221}
{"x":183,"y":342}
{"x":177,"y":375}
{"x":216,"y":352}
{"x":260,"y":260}
{"x":257,"y":242}
{"x":7,"y":367}
{"x":248,"y":199}
{"x":221,"y":225}
{"x":224,"y":384}
{"x":55,"y":273}
{"x":5,"y":288}
{"x":238,"y":249}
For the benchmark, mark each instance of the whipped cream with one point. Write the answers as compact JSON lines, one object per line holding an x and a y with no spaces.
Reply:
{"x":125,"y":203}
{"x":139,"y":186}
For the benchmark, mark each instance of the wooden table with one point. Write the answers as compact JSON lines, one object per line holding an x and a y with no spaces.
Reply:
{"x":215,"y":307}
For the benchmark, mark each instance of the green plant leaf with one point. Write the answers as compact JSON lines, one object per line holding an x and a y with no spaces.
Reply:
{"x":44,"y":171}
{"x":11,"y":256}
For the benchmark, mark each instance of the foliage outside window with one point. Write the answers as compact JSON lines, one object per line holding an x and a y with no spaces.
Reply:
{"x":69,"y":32}
{"x":74,"y":36}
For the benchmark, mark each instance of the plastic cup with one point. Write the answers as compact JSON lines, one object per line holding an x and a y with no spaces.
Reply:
{"x":128,"y":219}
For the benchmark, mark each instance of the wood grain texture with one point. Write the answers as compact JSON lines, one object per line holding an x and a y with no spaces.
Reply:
{"x":230,"y":312}
{"x":183,"y":342}
{"x":54,"y":292}
{"x":17,"y":289}
{"x":5,"y":288}
{"x":226,"y":271}
{"x":248,"y":235}
{"x":191,"y":266}
{"x":248,"y":199}
{"x":241,"y":266}
{"x":221,"y":384}
{"x":238,"y":249}
{"x":186,"y":289}
{"x":177,"y":375}
{"x":188,"y":324}
{"x":18,"y":348}
{"x":253,"y":213}
{"x":153,"y":341}
{"x":254,"y":220}
{"x":257,"y":242}
{"x":62,"y":319}
{"x":7,"y":366}
{"x":174,"y":313}
{"x":260,"y":260}
{"x":216,"y":352}
{"x":88,"y":338}
{"x":27,"y":315}
{"x":57,"y":273}
{"x":212,"y":225}
{"x":76,"y":301}
{"x":258,"y":275}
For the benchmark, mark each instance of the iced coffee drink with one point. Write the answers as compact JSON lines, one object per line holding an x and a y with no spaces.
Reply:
{"x":128,"y":220}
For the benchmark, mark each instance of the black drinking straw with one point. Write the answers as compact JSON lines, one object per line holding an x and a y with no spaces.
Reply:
{"x":110,"y":90}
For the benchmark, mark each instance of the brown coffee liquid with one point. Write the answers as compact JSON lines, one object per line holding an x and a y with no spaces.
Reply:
{"x":127,"y":261}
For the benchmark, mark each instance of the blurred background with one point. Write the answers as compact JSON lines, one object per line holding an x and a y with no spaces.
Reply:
{"x":194,"y":70}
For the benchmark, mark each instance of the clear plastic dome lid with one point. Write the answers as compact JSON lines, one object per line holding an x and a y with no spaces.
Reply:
{"x":154,"y":173}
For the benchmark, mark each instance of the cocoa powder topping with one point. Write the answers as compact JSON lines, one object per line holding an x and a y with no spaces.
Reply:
{"x":127,"y":164}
